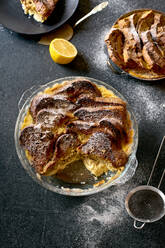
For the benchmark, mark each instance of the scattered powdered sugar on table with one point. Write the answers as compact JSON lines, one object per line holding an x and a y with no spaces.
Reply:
{"x":120,"y":6}
{"x":163,"y":105}
{"x":104,"y":210}
{"x":1,"y":28}
{"x":147,"y":104}
{"x":99,"y":58}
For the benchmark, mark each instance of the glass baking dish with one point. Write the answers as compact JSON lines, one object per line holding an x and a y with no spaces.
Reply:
{"x":118,"y":70}
{"x":73,"y":188}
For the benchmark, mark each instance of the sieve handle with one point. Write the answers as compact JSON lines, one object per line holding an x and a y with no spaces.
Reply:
{"x":161,"y":179}
{"x":138,"y":227}
{"x":154,"y":165}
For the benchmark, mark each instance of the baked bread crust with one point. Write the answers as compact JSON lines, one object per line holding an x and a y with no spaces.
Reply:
{"x":136,"y":43}
{"x":100,"y":146}
{"x":39,"y":144}
{"x":66,"y":123}
{"x":40,"y":9}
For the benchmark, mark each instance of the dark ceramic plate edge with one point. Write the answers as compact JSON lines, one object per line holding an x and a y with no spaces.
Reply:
{"x":44,"y":32}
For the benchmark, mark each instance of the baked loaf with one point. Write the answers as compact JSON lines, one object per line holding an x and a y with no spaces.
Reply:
{"x":39,"y":9}
{"x":136,"y":43}
{"x":75,"y":121}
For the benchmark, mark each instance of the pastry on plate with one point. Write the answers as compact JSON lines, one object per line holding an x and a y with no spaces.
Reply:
{"x":39,"y":9}
{"x":77,"y":120}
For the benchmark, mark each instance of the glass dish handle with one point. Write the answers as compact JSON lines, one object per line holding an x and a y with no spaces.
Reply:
{"x":137,"y":226}
{"x":26,"y":94}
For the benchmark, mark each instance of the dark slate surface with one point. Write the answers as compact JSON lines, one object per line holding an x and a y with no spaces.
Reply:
{"x":31,"y":216}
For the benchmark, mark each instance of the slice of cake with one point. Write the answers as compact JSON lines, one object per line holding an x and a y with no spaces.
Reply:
{"x":39,"y":9}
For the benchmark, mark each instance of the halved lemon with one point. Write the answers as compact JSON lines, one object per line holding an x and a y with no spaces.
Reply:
{"x":62,"y":51}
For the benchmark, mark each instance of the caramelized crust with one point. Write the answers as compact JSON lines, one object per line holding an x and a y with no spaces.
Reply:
{"x":47,"y":101}
{"x":65,"y":153}
{"x":153,"y":57}
{"x":77,"y":89}
{"x":100,"y":102}
{"x":39,"y":144}
{"x":68,"y":122}
{"x":115,"y":44}
{"x":100,"y":146}
{"x":158,"y":31}
{"x":136,"y":43}
{"x":144,"y":24}
{"x":82,"y":127}
{"x":96,"y":114}
{"x":51,"y":119}
{"x":132,"y":47}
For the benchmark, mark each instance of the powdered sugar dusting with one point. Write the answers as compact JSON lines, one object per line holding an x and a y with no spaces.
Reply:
{"x":120,"y":6}
{"x":1,"y":28}
{"x":148,"y":103}
{"x":110,"y":208}
{"x":103,"y":210}
{"x":98,"y":55}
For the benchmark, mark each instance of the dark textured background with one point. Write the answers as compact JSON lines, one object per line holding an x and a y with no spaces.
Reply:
{"x":31,"y":216}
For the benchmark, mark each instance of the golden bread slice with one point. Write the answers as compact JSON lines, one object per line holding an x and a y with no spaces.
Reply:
{"x":132,"y":48}
{"x":101,"y":154}
{"x":153,"y":57}
{"x":65,"y":153}
{"x":115,"y":44}
{"x":144,"y":24}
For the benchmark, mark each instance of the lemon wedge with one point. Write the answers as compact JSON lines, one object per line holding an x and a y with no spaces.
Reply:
{"x":62,"y":51}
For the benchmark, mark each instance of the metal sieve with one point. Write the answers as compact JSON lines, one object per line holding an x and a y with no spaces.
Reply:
{"x":146,"y":203}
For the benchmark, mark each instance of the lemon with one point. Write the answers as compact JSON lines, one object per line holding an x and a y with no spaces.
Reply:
{"x":62,"y":51}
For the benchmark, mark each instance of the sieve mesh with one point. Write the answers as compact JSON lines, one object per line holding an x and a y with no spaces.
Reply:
{"x":146,"y":205}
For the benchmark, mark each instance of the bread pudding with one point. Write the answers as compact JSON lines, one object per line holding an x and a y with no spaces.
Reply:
{"x":136,"y":43}
{"x":77,"y":120}
{"x":39,"y":9}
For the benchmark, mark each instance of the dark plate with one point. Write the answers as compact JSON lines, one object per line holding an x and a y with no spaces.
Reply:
{"x":13,"y":17}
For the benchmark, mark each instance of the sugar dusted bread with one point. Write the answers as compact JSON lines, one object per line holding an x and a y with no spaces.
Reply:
{"x":136,"y":43}
{"x":76,"y":121}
